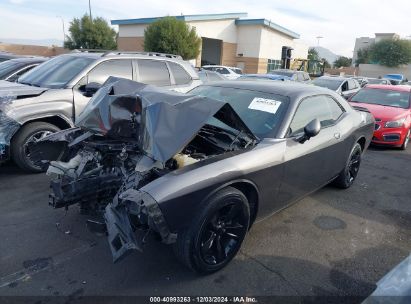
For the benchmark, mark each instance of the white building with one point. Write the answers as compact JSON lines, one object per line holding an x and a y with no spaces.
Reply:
{"x":227,"y":39}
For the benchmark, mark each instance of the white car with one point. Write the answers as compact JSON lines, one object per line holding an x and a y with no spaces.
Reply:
{"x":227,"y":72}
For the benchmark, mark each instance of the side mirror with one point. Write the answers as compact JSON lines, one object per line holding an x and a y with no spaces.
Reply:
{"x":91,"y":88}
{"x":310,"y":130}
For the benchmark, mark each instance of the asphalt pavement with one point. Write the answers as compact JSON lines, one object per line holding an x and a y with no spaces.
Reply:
{"x":332,"y":243}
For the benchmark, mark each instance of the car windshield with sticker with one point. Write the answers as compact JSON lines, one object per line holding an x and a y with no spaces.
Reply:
{"x":261,"y":112}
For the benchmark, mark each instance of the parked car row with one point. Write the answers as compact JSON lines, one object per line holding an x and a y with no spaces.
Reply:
{"x":120,"y":142}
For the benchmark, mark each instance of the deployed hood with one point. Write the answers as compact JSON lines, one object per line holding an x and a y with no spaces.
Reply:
{"x":161,"y":121}
{"x":14,"y":89}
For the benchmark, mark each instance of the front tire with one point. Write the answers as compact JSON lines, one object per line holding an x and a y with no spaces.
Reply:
{"x":406,"y":140}
{"x":348,"y":175}
{"x":19,"y":145}
{"x":216,"y":235}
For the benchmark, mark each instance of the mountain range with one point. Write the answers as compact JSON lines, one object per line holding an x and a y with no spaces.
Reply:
{"x":326,"y":53}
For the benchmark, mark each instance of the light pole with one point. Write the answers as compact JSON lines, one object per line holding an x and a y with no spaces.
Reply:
{"x":89,"y":9}
{"x":64,"y":31}
{"x":318,"y":40}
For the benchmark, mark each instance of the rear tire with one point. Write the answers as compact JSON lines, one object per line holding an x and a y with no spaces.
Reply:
{"x":348,"y":175}
{"x":28,"y":133}
{"x":215,"y":236}
{"x":406,"y":140}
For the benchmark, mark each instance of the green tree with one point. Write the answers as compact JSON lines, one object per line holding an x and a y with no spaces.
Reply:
{"x":313,"y":54}
{"x":391,"y":53}
{"x":342,"y":61}
{"x":363,"y":56}
{"x":90,"y":34}
{"x":326,"y":63}
{"x":169,"y":35}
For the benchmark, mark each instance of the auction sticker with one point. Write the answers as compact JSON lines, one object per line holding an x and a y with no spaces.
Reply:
{"x":265,"y":105}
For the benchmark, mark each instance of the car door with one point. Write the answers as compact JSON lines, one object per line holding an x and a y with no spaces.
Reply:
{"x":99,"y":74}
{"x":311,"y":164}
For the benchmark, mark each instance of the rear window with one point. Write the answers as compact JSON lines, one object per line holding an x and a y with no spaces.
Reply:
{"x":383,"y":97}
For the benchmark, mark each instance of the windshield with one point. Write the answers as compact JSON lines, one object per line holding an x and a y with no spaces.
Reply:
{"x":383,"y":97}
{"x":283,"y":73}
{"x":57,"y":72}
{"x":261,"y":112}
{"x":332,"y":84}
{"x":375,"y":81}
{"x":8,"y":67}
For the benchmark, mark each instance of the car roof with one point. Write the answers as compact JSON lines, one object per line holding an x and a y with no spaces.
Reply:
{"x":268,"y":76}
{"x":29,"y":59}
{"x":337,"y":78}
{"x":293,"y":90}
{"x":400,"y":88}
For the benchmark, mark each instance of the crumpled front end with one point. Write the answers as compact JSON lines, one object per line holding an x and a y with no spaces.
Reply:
{"x":130,"y":218}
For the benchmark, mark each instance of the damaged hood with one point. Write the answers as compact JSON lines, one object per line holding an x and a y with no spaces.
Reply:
{"x":14,"y":89}
{"x":162,"y":122}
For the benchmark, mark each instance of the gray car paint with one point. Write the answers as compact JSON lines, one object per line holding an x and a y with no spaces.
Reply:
{"x":280,"y":170}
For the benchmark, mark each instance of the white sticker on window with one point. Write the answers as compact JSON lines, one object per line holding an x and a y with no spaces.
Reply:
{"x":265,"y":105}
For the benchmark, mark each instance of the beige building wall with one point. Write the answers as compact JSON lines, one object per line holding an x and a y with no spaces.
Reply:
{"x":225,"y":30}
{"x":130,"y":43}
{"x":229,"y":54}
{"x":248,"y":40}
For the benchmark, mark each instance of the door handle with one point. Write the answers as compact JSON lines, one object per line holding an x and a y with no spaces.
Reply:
{"x":337,"y":135}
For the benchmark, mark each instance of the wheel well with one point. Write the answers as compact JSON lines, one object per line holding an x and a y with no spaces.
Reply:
{"x":361,"y":141}
{"x":252,"y":196}
{"x":54,"y":120}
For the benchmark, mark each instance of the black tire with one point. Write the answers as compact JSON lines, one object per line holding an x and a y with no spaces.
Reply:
{"x":196,"y":245}
{"x":406,"y":141}
{"x":348,"y":175}
{"x":19,"y":151}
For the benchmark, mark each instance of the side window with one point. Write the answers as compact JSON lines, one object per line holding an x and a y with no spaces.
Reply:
{"x":306,"y":76}
{"x":344,"y":86}
{"x":300,"y":77}
{"x":117,"y":68}
{"x":214,"y":77}
{"x":153,"y":72}
{"x":180,"y":75}
{"x":352,"y":84}
{"x":222,"y":71}
{"x":322,"y":107}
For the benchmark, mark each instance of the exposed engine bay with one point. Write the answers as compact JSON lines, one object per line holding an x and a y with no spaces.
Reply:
{"x":99,"y":166}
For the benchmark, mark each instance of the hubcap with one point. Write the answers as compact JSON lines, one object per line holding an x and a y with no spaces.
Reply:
{"x":354,"y":166}
{"x":35,"y":137}
{"x":222,"y":235}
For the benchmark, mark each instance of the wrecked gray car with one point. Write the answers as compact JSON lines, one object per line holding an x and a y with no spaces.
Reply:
{"x":198,"y":170}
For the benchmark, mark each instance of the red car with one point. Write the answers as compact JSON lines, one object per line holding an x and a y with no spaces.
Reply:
{"x":391,"y":107}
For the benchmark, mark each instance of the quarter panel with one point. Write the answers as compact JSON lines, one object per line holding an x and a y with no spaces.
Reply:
{"x":181,"y":194}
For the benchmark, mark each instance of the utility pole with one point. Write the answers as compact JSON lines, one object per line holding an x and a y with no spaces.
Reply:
{"x":89,"y":9}
{"x":318,"y":40}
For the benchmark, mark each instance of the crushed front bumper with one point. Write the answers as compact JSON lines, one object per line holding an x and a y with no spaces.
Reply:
{"x":8,"y":127}
{"x":128,"y":220}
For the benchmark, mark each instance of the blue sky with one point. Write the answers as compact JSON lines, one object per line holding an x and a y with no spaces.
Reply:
{"x":339,"y":22}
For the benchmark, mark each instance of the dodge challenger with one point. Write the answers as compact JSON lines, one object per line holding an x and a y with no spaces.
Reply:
{"x":198,"y":170}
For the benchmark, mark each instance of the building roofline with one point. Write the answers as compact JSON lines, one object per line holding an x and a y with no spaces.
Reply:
{"x":201,"y":17}
{"x":269,"y":24}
